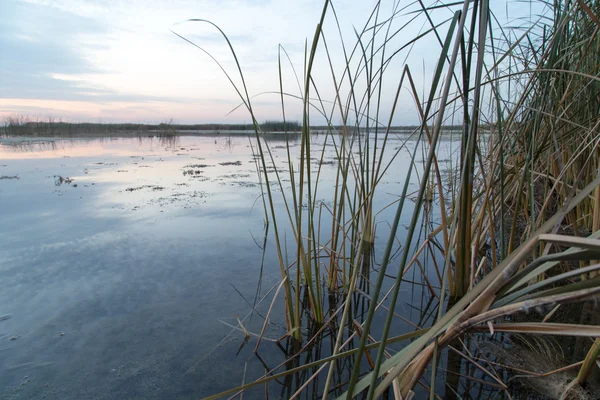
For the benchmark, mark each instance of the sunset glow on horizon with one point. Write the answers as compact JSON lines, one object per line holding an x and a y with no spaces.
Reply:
{"x":118,"y":61}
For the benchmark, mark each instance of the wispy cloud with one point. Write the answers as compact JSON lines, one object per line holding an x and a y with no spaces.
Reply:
{"x":119,"y":60}
{"x":121,"y":52}
{"x":38,"y":42}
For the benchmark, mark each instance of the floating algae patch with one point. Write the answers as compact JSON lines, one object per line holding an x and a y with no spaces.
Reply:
{"x":235,"y":176}
{"x":197,"y":166}
{"x":153,"y":187}
{"x":199,"y":178}
{"x":226,"y":163}
{"x":186,"y":199}
{"x":245,"y":184}
{"x":192,"y":172}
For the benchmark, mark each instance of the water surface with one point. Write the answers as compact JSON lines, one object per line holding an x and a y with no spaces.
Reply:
{"x":123,"y":260}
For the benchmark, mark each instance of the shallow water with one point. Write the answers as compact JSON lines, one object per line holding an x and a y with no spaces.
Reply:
{"x":123,"y":260}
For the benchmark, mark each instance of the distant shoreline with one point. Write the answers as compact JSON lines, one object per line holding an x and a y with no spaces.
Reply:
{"x":25,"y":127}
{"x":24,"y":136}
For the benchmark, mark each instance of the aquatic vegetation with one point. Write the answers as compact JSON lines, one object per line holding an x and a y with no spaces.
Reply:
{"x":225,"y":163}
{"x":511,"y":225}
{"x":197,"y":166}
{"x":192,"y":172}
{"x":153,"y":187}
{"x":59,"y":180}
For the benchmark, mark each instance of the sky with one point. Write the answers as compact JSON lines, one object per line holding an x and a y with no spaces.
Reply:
{"x":119,"y":60}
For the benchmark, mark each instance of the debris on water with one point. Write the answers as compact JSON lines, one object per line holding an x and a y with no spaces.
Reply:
{"x":187,"y":199}
{"x":5,"y":317}
{"x":59,"y":180}
{"x":240,"y":184}
{"x":230,"y":163}
{"x":13,"y":338}
{"x":192,"y":172}
{"x":197,"y":166}
{"x":153,"y":187}
{"x":60,"y":334}
{"x":9,"y":177}
{"x":235,"y":176}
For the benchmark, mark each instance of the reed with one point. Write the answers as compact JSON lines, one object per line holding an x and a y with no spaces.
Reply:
{"x":516,"y":221}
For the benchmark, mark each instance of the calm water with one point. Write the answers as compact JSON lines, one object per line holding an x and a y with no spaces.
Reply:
{"x":119,"y":282}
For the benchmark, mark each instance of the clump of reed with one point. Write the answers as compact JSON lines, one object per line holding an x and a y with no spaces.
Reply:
{"x":517,"y":223}
{"x":167,"y":129}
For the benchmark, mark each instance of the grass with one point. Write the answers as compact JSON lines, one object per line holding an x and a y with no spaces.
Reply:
{"x":514,"y":227}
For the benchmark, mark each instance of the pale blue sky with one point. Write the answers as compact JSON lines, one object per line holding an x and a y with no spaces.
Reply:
{"x":103,"y":60}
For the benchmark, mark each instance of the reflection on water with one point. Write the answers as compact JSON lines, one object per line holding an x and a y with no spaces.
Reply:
{"x":124,"y":281}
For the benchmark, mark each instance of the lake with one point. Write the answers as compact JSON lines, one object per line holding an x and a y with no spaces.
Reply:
{"x":125,"y":262}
